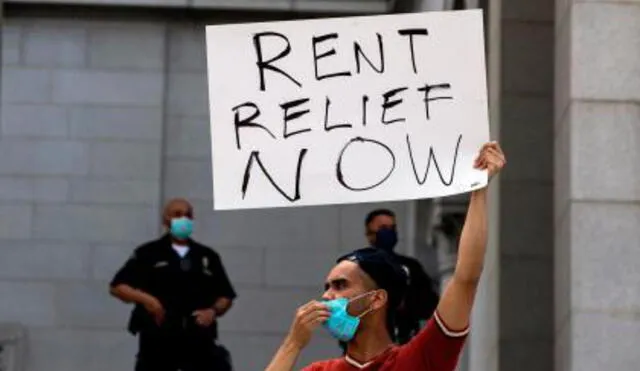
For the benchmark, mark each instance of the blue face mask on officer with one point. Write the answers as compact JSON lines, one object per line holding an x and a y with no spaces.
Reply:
{"x":340,"y":324}
{"x":181,"y":228}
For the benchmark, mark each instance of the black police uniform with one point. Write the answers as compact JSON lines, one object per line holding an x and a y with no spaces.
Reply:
{"x":420,"y":300}
{"x":182,"y":285}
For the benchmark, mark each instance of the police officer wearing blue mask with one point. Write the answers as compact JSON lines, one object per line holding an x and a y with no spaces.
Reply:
{"x":421,"y":298}
{"x":179,"y":289}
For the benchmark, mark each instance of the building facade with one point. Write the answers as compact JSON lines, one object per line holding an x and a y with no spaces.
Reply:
{"x":104,"y":116}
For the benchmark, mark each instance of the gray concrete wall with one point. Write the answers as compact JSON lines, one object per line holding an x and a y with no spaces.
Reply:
{"x":81,"y":138}
{"x":103,"y":120}
{"x":597,"y":210}
{"x":526,"y":187}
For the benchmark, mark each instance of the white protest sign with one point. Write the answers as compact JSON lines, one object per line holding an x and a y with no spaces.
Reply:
{"x":346,"y":110}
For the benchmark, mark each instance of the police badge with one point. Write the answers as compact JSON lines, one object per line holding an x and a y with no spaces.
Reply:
{"x":205,"y":266}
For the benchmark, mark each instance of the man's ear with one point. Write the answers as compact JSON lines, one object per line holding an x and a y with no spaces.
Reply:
{"x":381,"y":297}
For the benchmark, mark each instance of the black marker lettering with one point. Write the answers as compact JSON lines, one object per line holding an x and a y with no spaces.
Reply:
{"x":293,"y":115}
{"x":316,"y":40}
{"x":427,"y":89}
{"x":255,"y":157}
{"x":365,"y":100}
{"x":388,"y":104}
{"x":358,"y":52}
{"x":340,"y":176}
{"x":247,"y":122}
{"x":267,"y":65}
{"x":432,"y":155}
{"x":412,"y":32}
{"x":326,"y":119}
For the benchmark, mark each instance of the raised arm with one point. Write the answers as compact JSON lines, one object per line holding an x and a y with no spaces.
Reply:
{"x":457,"y":299}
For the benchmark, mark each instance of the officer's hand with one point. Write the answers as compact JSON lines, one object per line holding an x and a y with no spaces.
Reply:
{"x":154,"y":307}
{"x":308,"y":318}
{"x":205,"y":317}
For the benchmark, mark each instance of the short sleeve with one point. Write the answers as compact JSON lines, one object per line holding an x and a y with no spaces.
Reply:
{"x":436,"y":346}
{"x":221,"y":280}
{"x":130,"y":273}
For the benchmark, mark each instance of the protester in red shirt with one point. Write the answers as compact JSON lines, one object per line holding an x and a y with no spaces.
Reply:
{"x":363,"y":291}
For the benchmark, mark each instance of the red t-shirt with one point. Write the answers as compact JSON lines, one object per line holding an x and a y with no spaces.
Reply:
{"x":434,"y":348}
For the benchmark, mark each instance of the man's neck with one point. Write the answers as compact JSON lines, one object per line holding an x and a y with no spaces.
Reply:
{"x":392,"y":251}
{"x":178,"y":242}
{"x":369,"y":344}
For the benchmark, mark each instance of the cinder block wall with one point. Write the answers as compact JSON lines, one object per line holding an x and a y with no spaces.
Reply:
{"x":101,"y":122}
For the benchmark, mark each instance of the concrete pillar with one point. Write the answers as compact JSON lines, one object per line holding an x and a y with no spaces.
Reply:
{"x":526,"y":186}
{"x":597,"y":192}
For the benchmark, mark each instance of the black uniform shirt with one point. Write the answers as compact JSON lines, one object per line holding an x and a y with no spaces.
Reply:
{"x":420,"y":301}
{"x":181,"y":284}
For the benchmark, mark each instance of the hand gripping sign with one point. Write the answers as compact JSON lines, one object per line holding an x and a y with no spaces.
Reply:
{"x":346,"y":110}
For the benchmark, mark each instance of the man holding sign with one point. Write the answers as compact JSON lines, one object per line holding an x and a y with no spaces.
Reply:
{"x":359,"y":109}
{"x":362,"y":292}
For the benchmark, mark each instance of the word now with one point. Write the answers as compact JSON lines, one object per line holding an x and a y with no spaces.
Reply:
{"x":254,"y":158}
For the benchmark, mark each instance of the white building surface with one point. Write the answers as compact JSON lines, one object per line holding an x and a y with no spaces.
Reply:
{"x":104,"y":116}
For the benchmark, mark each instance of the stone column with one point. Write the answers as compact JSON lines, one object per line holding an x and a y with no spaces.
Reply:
{"x":526,"y":186}
{"x":597,"y":188}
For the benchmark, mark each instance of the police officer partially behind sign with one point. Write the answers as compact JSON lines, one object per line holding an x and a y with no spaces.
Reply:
{"x":180,"y":289}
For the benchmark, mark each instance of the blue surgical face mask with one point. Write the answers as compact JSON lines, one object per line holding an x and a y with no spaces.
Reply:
{"x":341,"y":325}
{"x":181,"y":228}
{"x":386,"y":238}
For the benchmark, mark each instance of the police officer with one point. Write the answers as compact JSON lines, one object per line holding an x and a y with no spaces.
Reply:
{"x":180,"y":289}
{"x":421,"y":297}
